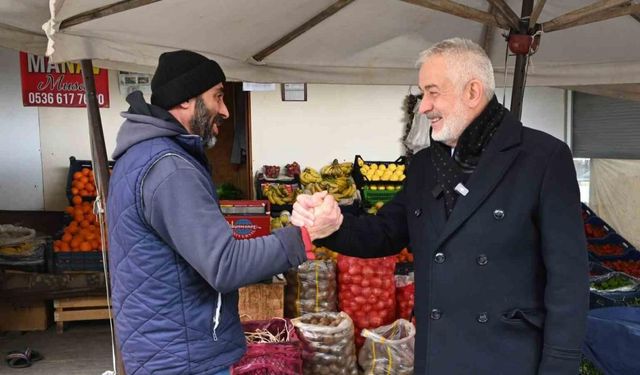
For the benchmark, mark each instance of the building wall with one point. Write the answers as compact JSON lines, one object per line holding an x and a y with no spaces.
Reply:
{"x":337,"y":121}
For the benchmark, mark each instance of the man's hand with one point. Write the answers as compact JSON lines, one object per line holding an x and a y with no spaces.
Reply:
{"x":302,"y":214}
{"x":319,"y":213}
{"x":328,"y":219}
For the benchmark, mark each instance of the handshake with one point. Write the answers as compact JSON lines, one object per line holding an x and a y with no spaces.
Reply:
{"x":319,"y":213}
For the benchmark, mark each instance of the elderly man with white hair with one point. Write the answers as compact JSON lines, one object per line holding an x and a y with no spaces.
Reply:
{"x":491,"y":212}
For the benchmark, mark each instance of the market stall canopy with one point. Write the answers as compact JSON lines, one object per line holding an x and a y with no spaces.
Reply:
{"x":346,"y":41}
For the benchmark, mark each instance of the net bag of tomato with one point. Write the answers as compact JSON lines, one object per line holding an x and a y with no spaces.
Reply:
{"x":388,"y":349}
{"x":273,"y":348}
{"x":327,"y":343}
{"x":405,"y":295}
{"x":311,"y":287}
{"x":366,"y":291}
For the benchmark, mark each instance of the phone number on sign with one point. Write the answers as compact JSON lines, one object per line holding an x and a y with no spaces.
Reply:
{"x":71,"y":98}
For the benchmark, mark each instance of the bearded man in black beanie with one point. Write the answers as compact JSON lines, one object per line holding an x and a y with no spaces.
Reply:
{"x":491,"y":212}
{"x":174,"y":265}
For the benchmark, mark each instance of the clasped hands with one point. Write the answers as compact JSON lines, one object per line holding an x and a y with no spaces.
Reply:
{"x":319,"y":213}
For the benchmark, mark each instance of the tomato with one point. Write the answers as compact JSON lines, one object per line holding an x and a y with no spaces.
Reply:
{"x":365,"y":282}
{"x":356,"y":279}
{"x":355,"y":289}
{"x":355,"y":269}
{"x":376,"y":282}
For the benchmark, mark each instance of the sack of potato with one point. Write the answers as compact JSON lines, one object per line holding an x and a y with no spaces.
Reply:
{"x":311,"y":287}
{"x":328,"y":346}
{"x":388,"y":349}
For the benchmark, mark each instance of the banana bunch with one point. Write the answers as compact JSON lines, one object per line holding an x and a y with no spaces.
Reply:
{"x":336,"y":169}
{"x":309,"y":176}
{"x":278,"y":194}
{"x":341,"y":187}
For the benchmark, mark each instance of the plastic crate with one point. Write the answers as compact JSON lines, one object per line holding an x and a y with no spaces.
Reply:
{"x":587,"y":213}
{"x":362,"y":181}
{"x":594,"y":226}
{"x":599,"y":299}
{"x":597,"y":269}
{"x":78,"y":261}
{"x":76,"y":165}
{"x":373,"y":196}
{"x":612,"y":239}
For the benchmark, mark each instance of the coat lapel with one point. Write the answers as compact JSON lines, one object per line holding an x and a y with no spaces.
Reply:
{"x":495,"y":162}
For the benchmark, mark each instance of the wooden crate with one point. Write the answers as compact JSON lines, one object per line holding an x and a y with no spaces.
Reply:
{"x":34,"y":316}
{"x":79,"y":308}
{"x":261,"y":301}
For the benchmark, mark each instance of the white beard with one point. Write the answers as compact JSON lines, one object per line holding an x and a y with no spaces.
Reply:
{"x":452,"y":126}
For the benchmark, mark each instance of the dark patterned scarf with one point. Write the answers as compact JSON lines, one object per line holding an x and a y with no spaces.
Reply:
{"x":454,"y":170}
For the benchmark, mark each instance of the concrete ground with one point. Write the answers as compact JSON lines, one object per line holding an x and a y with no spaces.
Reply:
{"x":83,"y":349}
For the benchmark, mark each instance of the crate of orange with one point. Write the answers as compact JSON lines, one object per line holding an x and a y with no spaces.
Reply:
{"x":81,"y":184}
{"x":79,"y":246}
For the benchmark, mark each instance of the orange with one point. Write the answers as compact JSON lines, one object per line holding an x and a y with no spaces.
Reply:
{"x":84,"y":179}
{"x":74,"y":191}
{"x":76,"y":199}
{"x":77,"y":175}
{"x":86,"y":208}
{"x":90,"y":187}
{"x":64,"y":247}
{"x":75,"y":243}
{"x":86,"y":171}
{"x":73,"y":229}
{"x":69,"y":210}
{"x":56,"y":245}
{"x":85,"y":246}
{"x":89,"y":236}
{"x":67,"y":237}
{"x":92,"y":218}
{"x":84,"y":224}
{"x":95,"y":244}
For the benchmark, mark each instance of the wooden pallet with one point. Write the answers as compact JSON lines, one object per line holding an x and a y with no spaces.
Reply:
{"x":80,"y":308}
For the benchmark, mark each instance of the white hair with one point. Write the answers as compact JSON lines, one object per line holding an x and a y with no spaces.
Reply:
{"x":466,"y":60}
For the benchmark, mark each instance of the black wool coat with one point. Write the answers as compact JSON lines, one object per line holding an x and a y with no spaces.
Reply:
{"x":502,"y":284}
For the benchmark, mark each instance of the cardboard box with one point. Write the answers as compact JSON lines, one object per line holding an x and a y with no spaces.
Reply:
{"x":261,"y":301}
{"x":35,"y":316}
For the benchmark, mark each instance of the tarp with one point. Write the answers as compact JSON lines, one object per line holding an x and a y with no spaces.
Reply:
{"x":613,"y":339}
{"x":614,"y":194}
{"x":367,"y":42}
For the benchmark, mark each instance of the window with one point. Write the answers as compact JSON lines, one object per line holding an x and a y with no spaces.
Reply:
{"x":583,"y":172}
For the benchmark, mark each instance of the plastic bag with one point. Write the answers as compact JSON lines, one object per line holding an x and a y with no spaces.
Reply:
{"x":418,"y":137}
{"x":311,"y":287}
{"x":389,"y":349}
{"x":277,"y":358}
{"x":328,"y":347}
{"x":405,"y":295}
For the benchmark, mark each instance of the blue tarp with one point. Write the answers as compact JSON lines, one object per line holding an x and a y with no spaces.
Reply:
{"x":613,"y":340}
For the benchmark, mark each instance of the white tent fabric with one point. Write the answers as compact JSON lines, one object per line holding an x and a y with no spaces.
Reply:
{"x":614,"y":195}
{"x":367,"y":42}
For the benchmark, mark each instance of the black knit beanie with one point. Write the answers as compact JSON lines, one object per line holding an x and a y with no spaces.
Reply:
{"x":182,"y":75}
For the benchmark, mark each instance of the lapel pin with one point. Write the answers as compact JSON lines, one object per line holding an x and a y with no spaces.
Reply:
{"x":461,"y":189}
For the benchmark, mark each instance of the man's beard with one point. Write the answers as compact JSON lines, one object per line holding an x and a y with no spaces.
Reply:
{"x":202,"y":123}
{"x":452,"y":126}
